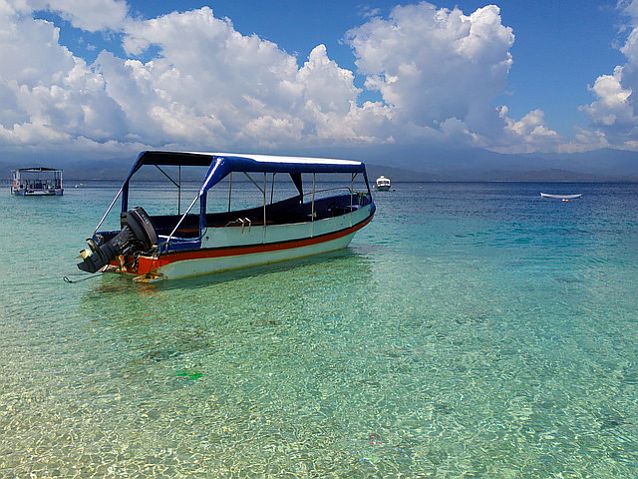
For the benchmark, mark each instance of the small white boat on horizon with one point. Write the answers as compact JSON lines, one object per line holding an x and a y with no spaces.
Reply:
{"x":383,"y":183}
{"x":560,"y":197}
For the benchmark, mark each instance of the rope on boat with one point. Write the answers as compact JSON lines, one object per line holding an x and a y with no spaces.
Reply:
{"x":85,"y":278}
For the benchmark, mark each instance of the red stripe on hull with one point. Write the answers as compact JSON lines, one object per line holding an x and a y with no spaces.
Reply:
{"x":147,"y":264}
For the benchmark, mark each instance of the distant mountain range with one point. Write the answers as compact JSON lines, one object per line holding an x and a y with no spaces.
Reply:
{"x":403,"y":164}
{"x":482,"y":165}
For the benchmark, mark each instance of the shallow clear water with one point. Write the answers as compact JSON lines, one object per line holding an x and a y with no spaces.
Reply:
{"x":471,"y":330}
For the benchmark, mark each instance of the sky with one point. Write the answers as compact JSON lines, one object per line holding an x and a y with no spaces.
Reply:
{"x":108,"y":78}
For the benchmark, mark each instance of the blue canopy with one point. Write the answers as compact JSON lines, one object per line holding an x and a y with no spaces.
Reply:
{"x":221,"y":164}
{"x":250,"y":162}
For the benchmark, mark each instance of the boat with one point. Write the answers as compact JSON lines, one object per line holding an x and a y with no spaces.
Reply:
{"x":37,"y":181}
{"x":160,"y":247}
{"x":383,"y":183}
{"x":560,"y":197}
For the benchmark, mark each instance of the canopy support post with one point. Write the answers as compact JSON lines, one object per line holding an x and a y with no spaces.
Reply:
{"x":312,"y":209}
{"x":365,"y":177}
{"x":254,"y":182}
{"x":230,"y":188}
{"x":265,"y":188}
{"x":272,"y":188}
{"x":351,"y":190}
{"x":190,"y":207}
{"x":108,"y":210}
{"x":179,"y":189}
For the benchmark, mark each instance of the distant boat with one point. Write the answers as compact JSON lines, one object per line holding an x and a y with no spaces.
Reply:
{"x":37,"y":182}
{"x":560,"y":197}
{"x":383,"y":183}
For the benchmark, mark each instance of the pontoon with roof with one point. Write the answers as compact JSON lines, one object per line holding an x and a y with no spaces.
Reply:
{"x":37,"y":182}
{"x":161,"y":246}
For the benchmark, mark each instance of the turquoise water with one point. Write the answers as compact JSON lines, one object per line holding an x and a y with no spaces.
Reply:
{"x":472,"y":330}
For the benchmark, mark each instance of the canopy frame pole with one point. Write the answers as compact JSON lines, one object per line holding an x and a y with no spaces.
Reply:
{"x":167,"y":176}
{"x":230,"y":188}
{"x":365,"y":177}
{"x":272,"y":187}
{"x":178,"y":185}
{"x":190,"y":207}
{"x":108,"y":210}
{"x":265,"y":188}
{"x":253,"y":182}
{"x":179,"y":189}
{"x":312,"y":208}
{"x":351,"y":189}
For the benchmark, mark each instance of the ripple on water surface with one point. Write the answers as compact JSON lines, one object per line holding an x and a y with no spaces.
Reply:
{"x":470,"y":331}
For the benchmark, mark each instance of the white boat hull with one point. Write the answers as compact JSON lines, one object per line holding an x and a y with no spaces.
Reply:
{"x":560,"y":197}
{"x":227,"y":248}
{"x":201,"y":266}
{"x":23,"y":192}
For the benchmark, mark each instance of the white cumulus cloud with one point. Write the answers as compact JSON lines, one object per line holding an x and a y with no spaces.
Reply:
{"x":203,"y":84}
{"x":48,"y":95}
{"x":239,"y":89}
{"x":527,"y":135}
{"x":612,"y":106}
{"x":613,"y":112}
{"x":89,"y":15}
{"x":433,"y":64}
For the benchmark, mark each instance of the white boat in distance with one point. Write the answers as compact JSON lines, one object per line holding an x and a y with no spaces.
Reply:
{"x":383,"y":183}
{"x":560,"y":197}
{"x":156,"y":247}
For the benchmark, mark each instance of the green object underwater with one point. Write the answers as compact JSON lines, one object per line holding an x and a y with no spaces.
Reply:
{"x":189,"y":374}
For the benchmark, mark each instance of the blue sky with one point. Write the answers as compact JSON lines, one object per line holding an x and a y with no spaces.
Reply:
{"x":507,"y":77}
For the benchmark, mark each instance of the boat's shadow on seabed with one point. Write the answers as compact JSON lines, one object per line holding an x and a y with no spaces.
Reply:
{"x":176,"y":321}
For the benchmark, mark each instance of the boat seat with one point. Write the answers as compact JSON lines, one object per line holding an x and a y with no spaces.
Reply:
{"x":179,"y":244}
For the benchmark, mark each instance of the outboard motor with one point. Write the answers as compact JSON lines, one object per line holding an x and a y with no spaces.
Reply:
{"x":137,"y":234}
